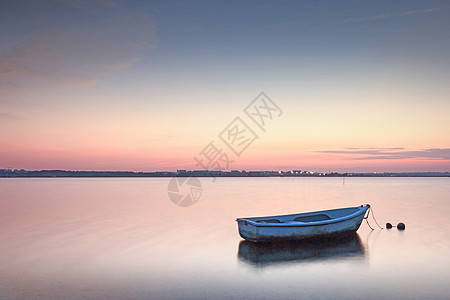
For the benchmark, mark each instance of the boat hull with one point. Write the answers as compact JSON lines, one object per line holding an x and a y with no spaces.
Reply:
{"x":333,"y":223}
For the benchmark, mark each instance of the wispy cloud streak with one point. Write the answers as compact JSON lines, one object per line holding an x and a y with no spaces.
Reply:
{"x":363,"y":19}
{"x":388,"y":16}
{"x":392,"y":153}
{"x":8,"y":117}
{"x":77,"y":52}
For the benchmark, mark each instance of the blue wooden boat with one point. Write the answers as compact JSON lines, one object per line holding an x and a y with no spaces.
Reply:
{"x":302,"y":226}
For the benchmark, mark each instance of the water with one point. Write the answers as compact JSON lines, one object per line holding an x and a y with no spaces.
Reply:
{"x":121,"y":238}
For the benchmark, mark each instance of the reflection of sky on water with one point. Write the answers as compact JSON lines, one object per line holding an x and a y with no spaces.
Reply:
{"x":123,"y":238}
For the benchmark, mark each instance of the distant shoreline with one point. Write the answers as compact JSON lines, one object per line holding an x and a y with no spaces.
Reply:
{"x":6,"y":173}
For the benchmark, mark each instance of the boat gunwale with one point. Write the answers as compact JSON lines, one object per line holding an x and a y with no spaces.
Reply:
{"x":361,"y":210}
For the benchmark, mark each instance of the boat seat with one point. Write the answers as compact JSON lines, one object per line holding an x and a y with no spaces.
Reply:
{"x":269,"y":221}
{"x":313,"y":218}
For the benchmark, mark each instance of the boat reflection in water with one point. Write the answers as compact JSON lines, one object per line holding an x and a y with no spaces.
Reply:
{"x":336,"y":248}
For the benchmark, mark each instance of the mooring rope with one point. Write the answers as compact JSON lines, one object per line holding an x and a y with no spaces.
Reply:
{"x":373,"y":216}
{"x":367,"y":221}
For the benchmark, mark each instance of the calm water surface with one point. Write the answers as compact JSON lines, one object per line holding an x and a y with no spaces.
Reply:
{"x":122,"y":238}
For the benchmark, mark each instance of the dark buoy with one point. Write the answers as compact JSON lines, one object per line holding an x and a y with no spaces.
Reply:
{"x":401,"y":226}
{"x":388,"y":225}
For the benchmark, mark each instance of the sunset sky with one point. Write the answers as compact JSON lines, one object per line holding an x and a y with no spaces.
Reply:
{"x":147,"y":85}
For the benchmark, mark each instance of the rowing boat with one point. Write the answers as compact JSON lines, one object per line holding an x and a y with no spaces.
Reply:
{"x":302,"y":226}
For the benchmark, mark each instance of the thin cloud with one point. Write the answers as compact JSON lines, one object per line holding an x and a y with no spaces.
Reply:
{"x":392,"y":153}
{"x":388,"y":16}
{"x":359,"y":19}
{"x":377,"y":148}
{"x":9,"y":117}
{"x":80,"y":53}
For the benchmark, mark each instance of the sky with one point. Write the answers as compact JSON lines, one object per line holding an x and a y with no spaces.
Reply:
{"x":348,"y":86}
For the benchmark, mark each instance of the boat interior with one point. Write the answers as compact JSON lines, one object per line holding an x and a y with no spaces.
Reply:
{"x":307,"y":217}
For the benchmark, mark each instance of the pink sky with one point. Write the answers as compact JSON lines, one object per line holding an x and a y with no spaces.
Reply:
{"x":146,"y":88}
